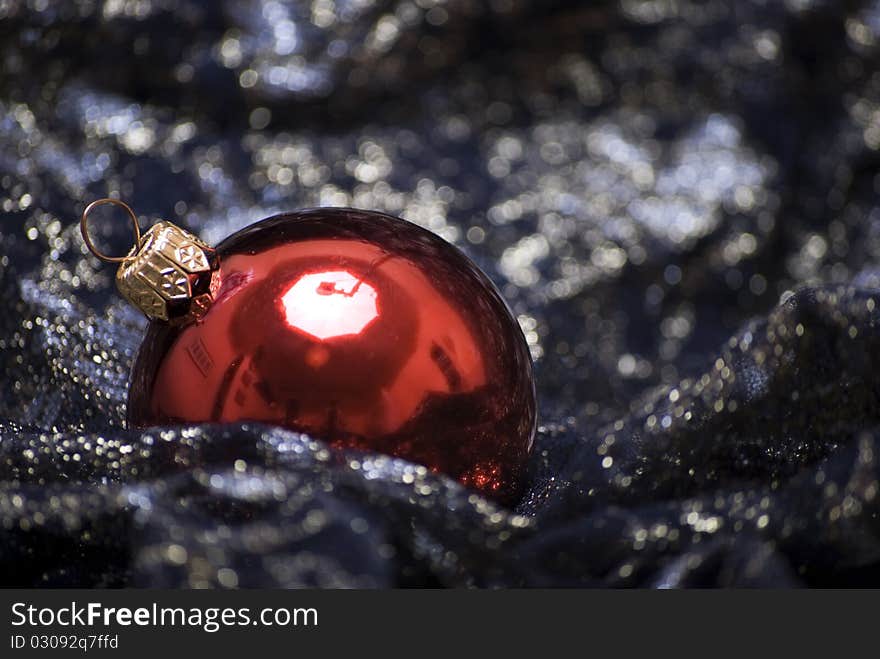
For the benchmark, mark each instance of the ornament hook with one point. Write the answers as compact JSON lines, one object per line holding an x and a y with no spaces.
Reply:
{"x":83,"y":225}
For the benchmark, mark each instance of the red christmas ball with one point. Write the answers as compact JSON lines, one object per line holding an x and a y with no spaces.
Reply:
{"x":357,"y":328}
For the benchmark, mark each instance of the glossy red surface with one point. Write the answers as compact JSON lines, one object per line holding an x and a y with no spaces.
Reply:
{"x":356,"y":328}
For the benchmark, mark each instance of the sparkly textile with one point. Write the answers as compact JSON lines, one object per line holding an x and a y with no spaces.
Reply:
{"x":678,"y":199}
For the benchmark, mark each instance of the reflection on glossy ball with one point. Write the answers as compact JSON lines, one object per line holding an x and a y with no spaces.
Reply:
{"x":356,"y":328}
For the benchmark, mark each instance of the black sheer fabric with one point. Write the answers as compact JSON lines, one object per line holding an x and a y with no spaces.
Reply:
{"x":678,"y":199}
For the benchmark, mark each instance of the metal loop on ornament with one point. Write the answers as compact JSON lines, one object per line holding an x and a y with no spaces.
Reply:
{"x":83,"y":225}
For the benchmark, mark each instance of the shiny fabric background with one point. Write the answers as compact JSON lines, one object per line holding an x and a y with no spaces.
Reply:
{"x":678,"y":199}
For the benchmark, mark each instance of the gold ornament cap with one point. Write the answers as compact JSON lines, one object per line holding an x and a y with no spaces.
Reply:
{"x":169,"y":274}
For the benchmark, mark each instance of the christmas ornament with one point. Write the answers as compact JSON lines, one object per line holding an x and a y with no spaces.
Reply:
{"x":358,"y":328}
